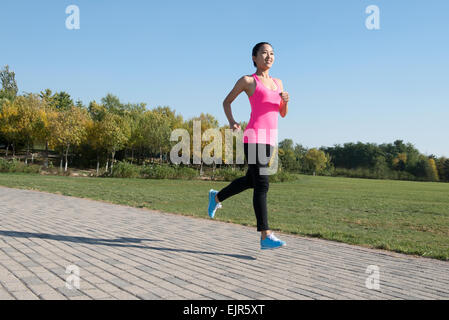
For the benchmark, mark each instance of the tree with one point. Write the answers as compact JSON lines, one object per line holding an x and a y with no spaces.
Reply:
{"x":96,"y":111}
{"x":423,"y":169}
{"x":115,"y":131}
{"x":9,"y":125}
{"x":48,"y":97}
{"x":135,"y":120}
{"x":353,"y":155}
{"x":96,"y":138}
{"x":300,"y":154}
{"x":49,"y":105}
{"x":380,"y":166}
{"x":442,"y":164}
{"x":445,"y":170}
{"x":31,"y":119}
{"x":316,"y":160}
{"x":62,"y":101}
{"x":9,"y":85}
{"x":79,"y":104}
{"x":155,"y":131}
{"x":287,"y":155}
{"x":105,"y":133}
{"x":433,"y":170}
{"x":165,"y":121}
{"x":400,"y":161}
{"x":69,"y":128}
{"x":412,"y":157}
{"x":207,"y":122}
{"x":112,"y":104}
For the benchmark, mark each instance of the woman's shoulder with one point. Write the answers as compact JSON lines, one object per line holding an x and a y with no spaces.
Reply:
{"x":247,"y":78}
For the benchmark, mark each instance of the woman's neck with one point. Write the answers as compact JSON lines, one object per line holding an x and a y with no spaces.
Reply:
{"x":263,"y":73}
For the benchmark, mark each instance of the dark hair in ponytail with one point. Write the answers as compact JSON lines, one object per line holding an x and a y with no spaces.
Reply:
{"x":256,"y":49}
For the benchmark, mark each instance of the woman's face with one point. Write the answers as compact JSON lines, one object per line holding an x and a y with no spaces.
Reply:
{"x":265,"y":56}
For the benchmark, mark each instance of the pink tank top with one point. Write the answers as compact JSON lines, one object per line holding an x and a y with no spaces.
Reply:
{"x":263,"y":124}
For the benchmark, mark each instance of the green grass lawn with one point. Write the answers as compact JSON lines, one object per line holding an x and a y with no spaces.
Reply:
{"x":402,"y":216}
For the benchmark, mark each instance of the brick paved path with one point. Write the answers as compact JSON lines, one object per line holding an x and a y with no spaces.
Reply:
{"x":131,"y":253}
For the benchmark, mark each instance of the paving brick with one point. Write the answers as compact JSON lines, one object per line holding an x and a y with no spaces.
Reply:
{"x":14,"y":286}
{"x":25,"y":295}
{"x":96,"y":293}
{"x":123,"y":295}
{"x":52,"y":296}
{"x":5,"y":295}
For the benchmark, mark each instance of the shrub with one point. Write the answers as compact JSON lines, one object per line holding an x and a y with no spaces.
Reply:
{"x":17,"y":166}
{"x":282,"y":176}
{"x":33,"y":168}
{"x":157,"y":171}
{"x":124,"y":169}
{"x":227,"y":174}
{"x":376,"y":173}
{"x":4,"y":165}
{"x":186,"y":173}
{"x":64,"y":173}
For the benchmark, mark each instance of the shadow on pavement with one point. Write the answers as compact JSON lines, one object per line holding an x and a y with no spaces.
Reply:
{"x":119,"y":242}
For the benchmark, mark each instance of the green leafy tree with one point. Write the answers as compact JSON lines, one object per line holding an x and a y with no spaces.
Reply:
{"x":116,"y":132}
{"x":112,"y":104}
{"x":62,"y":101}
{"x":300,"y":154}
{"x":48,"y":97}
{"x":31,"y":120}
{"x":69,"y":128}
{"x":442,"y":164}
{"x":9,"y":85}
{"x":155,"y":130}
{"x":96,"y":139}
{"x":287,"y":155}
{"x":423,"y":169}
{"x":135,"y":116}
{"x":97,"y":111}
{"x":208,"y":121}
{"x":445,"y":170}
{"x":165,"y":121}
{"x":316,"y":160}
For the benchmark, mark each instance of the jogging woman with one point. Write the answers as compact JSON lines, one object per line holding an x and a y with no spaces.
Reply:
{"x":267,"y":100}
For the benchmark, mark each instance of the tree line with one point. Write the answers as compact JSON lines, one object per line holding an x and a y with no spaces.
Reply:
{"x":365,"y":160}
{"x":109,"y":130}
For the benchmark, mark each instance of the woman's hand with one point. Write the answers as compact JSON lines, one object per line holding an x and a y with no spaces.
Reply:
{"x":284,"y":96}
{"x":283,"y":108}
{"x":234,"y":126}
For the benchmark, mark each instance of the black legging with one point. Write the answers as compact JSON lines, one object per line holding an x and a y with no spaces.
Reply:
{"x":253,"y":179}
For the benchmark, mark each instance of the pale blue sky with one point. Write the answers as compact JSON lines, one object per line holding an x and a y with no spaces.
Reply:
{"x":346,"y":83}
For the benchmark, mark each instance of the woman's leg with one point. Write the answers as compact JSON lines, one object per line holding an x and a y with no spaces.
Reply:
{"x":261,"y":187}
{"x":239,"y":184}
{"x":235,"y":187}
{"x":268,"y":240}
{"x":260,"y":201}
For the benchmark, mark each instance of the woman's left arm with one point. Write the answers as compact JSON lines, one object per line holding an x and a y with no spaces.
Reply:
{"x":283,"y":107}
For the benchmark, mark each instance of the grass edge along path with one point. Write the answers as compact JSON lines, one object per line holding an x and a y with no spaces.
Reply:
{"x":400,"y":216}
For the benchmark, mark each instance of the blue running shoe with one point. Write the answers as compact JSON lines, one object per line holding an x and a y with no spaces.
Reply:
{"x":271,"y":242}
{"x":213,"y":205}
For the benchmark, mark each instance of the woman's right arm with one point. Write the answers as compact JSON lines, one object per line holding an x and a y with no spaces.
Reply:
{"x":241,"y":85}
